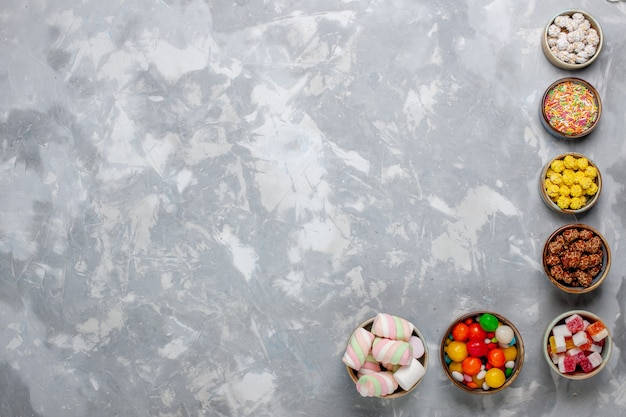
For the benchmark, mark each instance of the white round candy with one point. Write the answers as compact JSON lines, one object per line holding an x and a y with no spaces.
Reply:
{"x":504,"y":334}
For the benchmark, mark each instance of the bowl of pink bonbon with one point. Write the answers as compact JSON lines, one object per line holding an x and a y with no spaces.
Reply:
{"x":386,"y":356}
{"x":482,"y":352}
{"x":577,"y":344}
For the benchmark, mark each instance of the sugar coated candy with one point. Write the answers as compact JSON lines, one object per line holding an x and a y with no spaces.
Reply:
{"x":597,"y":331}
{"x":580,"y":352}
{"x":575,"y":323}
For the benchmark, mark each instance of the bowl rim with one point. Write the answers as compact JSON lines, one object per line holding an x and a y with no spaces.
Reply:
{"x":546,"y":122}
{"x":564,"y":65}
{"x":606,"y":261}
{"x":552,"y":204}
{"x":606,"y":350}
{"x":399,"y":392}
{"x":519,"y":361}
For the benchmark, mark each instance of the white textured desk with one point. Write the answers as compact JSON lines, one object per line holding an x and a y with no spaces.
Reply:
{"x":201,"y":199}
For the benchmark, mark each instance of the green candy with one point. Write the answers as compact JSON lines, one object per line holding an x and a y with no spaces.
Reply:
{"x":508,"y":372}
{"x":488,"y":322}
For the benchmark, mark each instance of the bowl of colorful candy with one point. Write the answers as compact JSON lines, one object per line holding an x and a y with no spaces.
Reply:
{"x":577,"y":344}
{"x":572,"y":39}
{"x":386,"y":356}
{"x":570,"y":183}
{"x":482,"y":352}
{"x":570,"y":108}
{"x":576,"y":258}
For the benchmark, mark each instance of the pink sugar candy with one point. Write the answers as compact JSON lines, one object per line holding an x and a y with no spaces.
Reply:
{"x":575,"y":323}
{"x":395,"y":352}
{"x":392,"y":327}
{"x":566,"y":364}
{"x":358,"y":348}
{"x":569,"y":364}
{"x":589,"y":363}
{"x":595,"y":359}
{"x":579,"y":356}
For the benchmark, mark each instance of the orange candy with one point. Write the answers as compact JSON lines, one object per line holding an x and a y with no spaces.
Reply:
{"x":460,"y":332}
{"x":496,"y":358}
{"x":471,"y":365}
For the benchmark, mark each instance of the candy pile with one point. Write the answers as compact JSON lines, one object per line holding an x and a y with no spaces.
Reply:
{"x":385,"y":357}
{"x":570,"y":181}
{"x":481,"y":352}
{"x":572,"y":39}
{"x":574,"y":256}
{"x":570,"y":108}
{"x":576,"y":345}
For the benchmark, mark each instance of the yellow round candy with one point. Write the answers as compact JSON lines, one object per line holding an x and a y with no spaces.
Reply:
{"x":569,"y":177}
{"x":570,"y":162}
{"x":563,"y":202}
{"x":456,"y":366}
{"x":495,"y":378}
{"x":576,"y":203}
{"x":591,"y":171}
{"x":510,"y":353}
{"x":576,"y":190}
{"x":457,"y":351}
{"x":557,"y":165}
{"x":585,"y":182}
{"x":582,"y":163}
{"x":555,"y":178}
{"x":477,"y":380}
{"x":552,"y":190}
{"x":593,"y":189}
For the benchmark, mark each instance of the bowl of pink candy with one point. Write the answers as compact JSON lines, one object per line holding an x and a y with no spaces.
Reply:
{"x":577,"y":344}
{"x":386,"y":356}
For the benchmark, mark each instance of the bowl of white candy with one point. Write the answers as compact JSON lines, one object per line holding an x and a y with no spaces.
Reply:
{"x":572,"y":39}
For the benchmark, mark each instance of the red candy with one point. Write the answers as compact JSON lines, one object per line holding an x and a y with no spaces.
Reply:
{"x":476,"y":348}
{"x":569,"y":363}
{"x":476,"y":332}
{"x":496,"y":358}
{"x":471,"y":365}
{"x":460,"y":332}
{"x":575,"y":323}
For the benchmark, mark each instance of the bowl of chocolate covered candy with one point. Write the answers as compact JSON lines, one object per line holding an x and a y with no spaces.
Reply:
{"x":576,"y":258}
{"x":386,"y":356}
{"x":577,"y":344}
{"x":572,"y":39}
{"x":570,"y":183}
{"x":482,"y":352}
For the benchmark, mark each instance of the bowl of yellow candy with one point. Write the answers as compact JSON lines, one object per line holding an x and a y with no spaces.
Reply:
{"x":570,"y":183}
